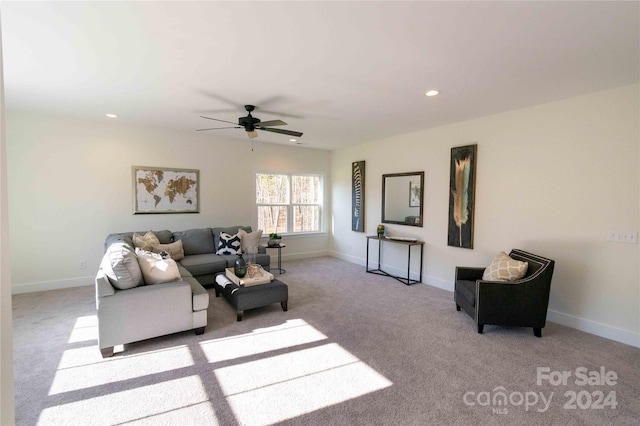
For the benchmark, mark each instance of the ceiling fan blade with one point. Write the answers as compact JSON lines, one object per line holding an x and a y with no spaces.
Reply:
{"x":218,"y":128}
{"x":215,"y":119}
{"x":284,"y":132}
{"x":272,"y":123}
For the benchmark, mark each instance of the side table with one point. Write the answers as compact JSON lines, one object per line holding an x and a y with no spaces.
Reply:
{"x":279,"y":247}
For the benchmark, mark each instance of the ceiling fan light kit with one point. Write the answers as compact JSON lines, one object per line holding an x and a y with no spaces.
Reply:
{"x":251,"y":124}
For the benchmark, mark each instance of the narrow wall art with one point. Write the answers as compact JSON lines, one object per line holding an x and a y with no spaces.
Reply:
{"x":462,"y":181}
{"x":357,"y":196}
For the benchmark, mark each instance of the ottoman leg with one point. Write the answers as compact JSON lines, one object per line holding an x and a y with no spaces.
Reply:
{"x":284,"y":305}
{"x":239,"y":315}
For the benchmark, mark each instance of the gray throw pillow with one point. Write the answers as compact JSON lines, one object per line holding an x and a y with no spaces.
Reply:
{"x":125,"y":271}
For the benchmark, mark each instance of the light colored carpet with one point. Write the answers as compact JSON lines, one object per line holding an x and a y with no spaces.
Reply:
{"x":353,"y":349}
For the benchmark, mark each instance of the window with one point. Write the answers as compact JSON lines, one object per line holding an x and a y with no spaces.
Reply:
{"x":289,"y":203}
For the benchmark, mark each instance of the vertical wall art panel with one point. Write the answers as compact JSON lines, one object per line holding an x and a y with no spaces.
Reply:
{"x":462,"y":195}
{"x":357,"y":196}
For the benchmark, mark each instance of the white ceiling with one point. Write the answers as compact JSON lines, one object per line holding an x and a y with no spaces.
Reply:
{"x":341,"y":72}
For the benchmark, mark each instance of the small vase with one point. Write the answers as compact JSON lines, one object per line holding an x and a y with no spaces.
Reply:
{"x":240,"y":267}
{"x":274,"y":242}
{"x":380,"y":230}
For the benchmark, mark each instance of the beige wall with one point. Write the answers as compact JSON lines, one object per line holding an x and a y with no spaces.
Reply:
{"x":7,"y":408}
{"x":551,"y":179}
{"x":70,"y":186}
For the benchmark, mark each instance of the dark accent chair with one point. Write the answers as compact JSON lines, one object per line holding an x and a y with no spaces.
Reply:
{"x":521,"y":303}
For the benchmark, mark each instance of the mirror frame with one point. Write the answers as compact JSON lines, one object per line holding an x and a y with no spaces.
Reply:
{"x":384,"y":182}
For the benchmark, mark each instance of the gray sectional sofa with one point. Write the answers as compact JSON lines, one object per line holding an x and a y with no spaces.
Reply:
{"x":129,"y":310}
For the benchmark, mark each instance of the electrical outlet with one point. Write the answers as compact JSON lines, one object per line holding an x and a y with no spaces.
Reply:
{"x":83,"y":264}
{"x":630,"y":237}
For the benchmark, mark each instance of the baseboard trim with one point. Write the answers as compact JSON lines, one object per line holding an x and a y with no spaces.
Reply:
{"x":51,"y":285}
{"x":592,"y":327}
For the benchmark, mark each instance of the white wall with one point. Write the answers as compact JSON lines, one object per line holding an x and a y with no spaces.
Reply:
{"x":70,"y":185}
{"x":551,"y":179}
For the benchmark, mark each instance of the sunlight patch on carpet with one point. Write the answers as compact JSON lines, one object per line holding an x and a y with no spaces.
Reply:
{"x":144,"y":404}
{"x":109,"y":371}
{"x":278,"y":388}
{"x":292,"y":333}
{"x":85,"y":329}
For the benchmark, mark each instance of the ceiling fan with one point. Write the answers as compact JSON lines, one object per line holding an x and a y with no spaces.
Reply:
{"x":251,"y":124}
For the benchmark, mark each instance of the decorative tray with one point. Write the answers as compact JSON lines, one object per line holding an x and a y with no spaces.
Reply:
{"x":261,"y":277}
{"x":403,"y":239}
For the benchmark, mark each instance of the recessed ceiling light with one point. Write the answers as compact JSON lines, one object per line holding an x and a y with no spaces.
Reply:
{"x":432,"y":93}
{"x":292,"y":140}
{"x":111,"y":115}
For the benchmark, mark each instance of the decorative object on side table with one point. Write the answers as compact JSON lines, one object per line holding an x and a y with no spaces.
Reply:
{"x":380,"y":230}
{"x":240,"y":266}
{"x":274,"y":240}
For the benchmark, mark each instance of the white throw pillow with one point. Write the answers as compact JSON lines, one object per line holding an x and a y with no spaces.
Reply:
{"x":155,"y":269}
{"x":504,"y":268}
{"x":249,"y":240}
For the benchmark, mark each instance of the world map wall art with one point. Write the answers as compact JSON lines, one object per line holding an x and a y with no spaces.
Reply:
{"x":165,"y":190}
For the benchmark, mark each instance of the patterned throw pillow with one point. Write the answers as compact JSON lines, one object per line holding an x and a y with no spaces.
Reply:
{"x":146,"y":241}
{"x":503,"y":268}
{"x":175,"y":250}
{"x":229,"y":244}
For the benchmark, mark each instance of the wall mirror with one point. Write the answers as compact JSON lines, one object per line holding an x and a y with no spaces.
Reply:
{"x":402,"y":198}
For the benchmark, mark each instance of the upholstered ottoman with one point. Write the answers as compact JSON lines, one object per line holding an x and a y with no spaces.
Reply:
{"x":256,"y":296}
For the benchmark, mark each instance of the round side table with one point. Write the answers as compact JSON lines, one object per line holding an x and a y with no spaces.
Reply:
{"x":279,"y":247}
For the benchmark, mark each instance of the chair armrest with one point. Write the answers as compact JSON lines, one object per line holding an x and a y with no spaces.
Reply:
{"x":469,"y":273}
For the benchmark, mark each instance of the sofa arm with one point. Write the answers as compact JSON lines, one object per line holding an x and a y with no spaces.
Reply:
{"x":262,"y":249}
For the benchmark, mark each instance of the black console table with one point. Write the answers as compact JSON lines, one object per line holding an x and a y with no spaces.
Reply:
{"x":409,"y":244}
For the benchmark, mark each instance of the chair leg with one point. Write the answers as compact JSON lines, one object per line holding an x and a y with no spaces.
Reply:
{"x":480,"y":328}
{"x":457,"y":307}
{"x":537,"y":331}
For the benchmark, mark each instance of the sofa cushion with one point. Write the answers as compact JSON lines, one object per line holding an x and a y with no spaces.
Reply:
{"x":202,"y":264}
{"x":175,"y":250}
{"x":504,"y":269}
{"x":249,"y":240}
{"x":467,"y":290}
{"x":124,"y":272}
{"x":229,"y":244}
{"x":196,"y":241}
{"x":155,"y":269}
{"x":146,"y":241}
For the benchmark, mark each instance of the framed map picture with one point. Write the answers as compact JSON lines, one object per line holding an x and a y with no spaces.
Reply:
{"x":165,"y":190}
